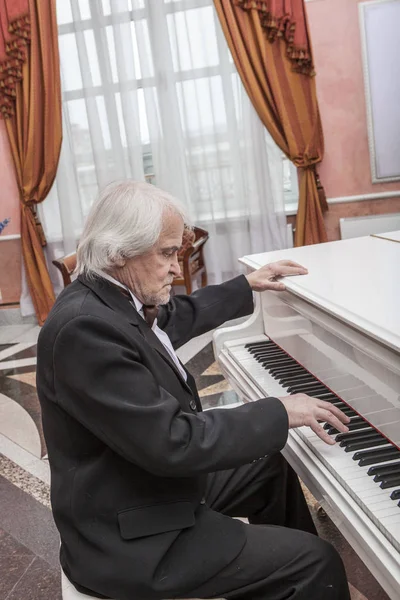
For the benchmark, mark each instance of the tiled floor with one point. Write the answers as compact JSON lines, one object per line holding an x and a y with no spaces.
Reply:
{"x":28,"y":538}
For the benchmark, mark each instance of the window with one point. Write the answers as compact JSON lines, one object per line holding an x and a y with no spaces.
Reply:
{"x":103,"y":79}
{"x":290,"y":186}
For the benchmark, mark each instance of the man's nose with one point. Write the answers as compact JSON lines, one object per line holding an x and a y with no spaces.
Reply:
{"x":175,"y":268}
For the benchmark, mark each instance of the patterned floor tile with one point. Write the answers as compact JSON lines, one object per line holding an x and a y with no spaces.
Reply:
{"x":215,"y":388}
{"x":28,"y":378}
{"x":213,"y":369}
{"x":18,"y":425}
{"x":25,"y":481}
{"x":39,"y":582}
{"x":15,"y":559}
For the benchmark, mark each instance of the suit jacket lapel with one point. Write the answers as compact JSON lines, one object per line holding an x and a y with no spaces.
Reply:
{"x":155,"y":343}
{"x":111,"y":296}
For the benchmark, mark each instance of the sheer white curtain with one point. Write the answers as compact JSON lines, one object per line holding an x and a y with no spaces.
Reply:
{"x":150,"y":91}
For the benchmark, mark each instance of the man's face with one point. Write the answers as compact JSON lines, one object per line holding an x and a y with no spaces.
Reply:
{"x":150,"y":275}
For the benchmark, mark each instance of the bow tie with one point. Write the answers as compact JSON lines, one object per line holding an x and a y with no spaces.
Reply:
{"x":150,"y":314}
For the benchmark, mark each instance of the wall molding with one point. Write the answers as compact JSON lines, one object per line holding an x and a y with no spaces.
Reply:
{"x":6,"y":238}
{"x":291,"y":208}
{"x":361,"y":197}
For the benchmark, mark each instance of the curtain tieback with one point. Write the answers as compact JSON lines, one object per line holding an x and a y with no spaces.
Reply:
{"x":312,"y":167}
{"x":31,"y":206}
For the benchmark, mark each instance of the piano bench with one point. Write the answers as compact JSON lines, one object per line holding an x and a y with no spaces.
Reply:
{"x":70,"y":593}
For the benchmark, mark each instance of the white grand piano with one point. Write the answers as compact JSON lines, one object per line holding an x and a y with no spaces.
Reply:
{"x":335,"y":334}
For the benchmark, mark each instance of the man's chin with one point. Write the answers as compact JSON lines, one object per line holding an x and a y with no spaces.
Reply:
{"x":162,"y":298}
{"x":165,"y":297}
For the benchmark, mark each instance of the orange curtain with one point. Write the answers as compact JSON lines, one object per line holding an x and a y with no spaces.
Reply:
{"x":30,"y":103}
{"x":270,"y":45}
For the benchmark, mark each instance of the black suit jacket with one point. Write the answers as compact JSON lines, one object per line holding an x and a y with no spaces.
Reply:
{"x":130,"y":449}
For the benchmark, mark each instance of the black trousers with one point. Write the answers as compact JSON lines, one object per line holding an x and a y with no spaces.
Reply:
{"x":283,"y":558}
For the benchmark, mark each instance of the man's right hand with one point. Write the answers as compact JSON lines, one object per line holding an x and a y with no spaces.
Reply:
{"x":304,"y":410}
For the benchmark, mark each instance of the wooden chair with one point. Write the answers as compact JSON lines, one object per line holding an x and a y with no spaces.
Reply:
{"x":191,"y":259}
{"x":66,"y":265}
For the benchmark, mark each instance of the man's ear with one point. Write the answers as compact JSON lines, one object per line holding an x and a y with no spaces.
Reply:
{"x":120,"y":262}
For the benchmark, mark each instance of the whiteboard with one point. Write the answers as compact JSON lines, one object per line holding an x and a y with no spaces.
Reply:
{"x":380,"y":35}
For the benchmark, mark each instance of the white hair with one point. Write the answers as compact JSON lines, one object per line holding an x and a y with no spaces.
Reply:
{"x":125,"y":221}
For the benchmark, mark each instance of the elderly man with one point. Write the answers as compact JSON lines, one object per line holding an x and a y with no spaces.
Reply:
{"x":144,"y":484}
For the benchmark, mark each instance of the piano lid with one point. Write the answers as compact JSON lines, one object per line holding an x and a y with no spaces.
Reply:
{"x":356,"y":280}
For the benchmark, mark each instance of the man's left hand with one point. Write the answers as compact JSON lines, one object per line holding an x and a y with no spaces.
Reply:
{"x":265,"y":278}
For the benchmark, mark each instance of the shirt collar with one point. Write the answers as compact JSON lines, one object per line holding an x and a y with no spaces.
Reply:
{"x":138,"y":305}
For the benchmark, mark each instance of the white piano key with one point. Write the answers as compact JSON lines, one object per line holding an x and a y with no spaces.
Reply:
{"x":381,"y":502}
{"x":391,"y":520}
{"x":380,"y":513}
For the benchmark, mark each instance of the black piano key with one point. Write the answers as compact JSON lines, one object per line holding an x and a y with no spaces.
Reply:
{"x":390,"y":482}
{"x":331,"y":398}
{"x":269,"y":345}
{"x":356,"y":423}
{"x":264,"y":343}
{"x":296,"y":375}
{"x":276,"y":361}
{"x":275,"y":356}
{"x":343,"y":407}
{"x":351,"y":427}
{"x":382,"y":475}
{"x":273,"y":364}
{"x":278,"y":372}
{"x":307,"y":383}
{"x":323,"y":395}
{"x":283,"y":370}
{"x":376,"y":455}
{"x":356,"y":435}
{"x":287,"y":382}
{"x":359,"y":419}
{"x":370,"y":443}
{"x":310,"y":387}
{"x":268,"y":366}
{"x":266,"y":349}
{"x":314,"y":386}
{"x":271,"y":353}
{"x":279,"y":360}
{"x":330,"y":429}
{"x":296,"y":378}
{"x":382,"y":468}
{"x":349,"y":412}
{"x":395,"y":495}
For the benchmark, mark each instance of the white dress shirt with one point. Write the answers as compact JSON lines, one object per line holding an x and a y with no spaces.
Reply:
{"x":162,"y":336}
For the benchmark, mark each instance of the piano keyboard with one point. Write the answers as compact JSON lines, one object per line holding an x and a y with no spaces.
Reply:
{"x":365,"y":462}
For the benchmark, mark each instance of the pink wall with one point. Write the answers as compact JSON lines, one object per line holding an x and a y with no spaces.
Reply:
{"x":335,"y":35}
{"x":10,"y":250}
{"x":9,"y":196}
